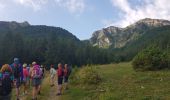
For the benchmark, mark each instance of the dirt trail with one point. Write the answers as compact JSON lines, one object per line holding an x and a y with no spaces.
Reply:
{"x":52,"y":91}
{"x":52,"y":94}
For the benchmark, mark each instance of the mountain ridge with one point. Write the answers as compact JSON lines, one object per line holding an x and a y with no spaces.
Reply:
{"x":119,"y":37}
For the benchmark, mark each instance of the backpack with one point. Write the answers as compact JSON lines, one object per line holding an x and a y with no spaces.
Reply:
{"x":5,"y":84}
{"x":16,"y":71}
{"x":37,"y":72}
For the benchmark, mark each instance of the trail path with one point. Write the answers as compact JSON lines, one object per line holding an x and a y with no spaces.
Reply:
{"x":47,"y":92}
{"x":53,"y":92}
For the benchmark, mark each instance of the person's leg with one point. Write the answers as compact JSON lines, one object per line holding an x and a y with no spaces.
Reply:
{"x":17,"y":88}
{"x":66,"y":83}
{"x":59,"y":86}
{"x":52,"y":81}
{"x":34,"y":90}
{"x":33,"y":93}
{"x":39,"y":86}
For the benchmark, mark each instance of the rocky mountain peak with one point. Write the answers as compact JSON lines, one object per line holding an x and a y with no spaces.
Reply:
{"x":13,"y":24}
{"x":119,"y":37}
{"x":153,"y":22}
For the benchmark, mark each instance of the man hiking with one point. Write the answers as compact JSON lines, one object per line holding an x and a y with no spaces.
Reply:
{"x":17,"y":75}
{"x":5,"y":82}
{"x":52,"y":75}
{"x":25,"y":78}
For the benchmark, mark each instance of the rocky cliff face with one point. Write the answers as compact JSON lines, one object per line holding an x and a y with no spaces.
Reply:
{"x":119,"y":37}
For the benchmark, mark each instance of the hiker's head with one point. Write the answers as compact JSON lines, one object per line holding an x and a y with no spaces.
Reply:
{"x":34,"y":63}
{"x":30,"y":65}
{"x":16,"y":60}
{"x":5,"y":67}
{"x":24,"y":65}
{"x":59,"y":65}
{"x":52,"y":66}
{"x":65,"y":66}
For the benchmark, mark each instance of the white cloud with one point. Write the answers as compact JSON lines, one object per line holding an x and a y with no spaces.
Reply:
{"x":35,"y":4}
{"x":159,"y":9}
{"x":74,"y":6}
{"x":2,"y":6}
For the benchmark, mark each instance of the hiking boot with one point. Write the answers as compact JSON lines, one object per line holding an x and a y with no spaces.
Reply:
{"x":39,"y":93}
{"x":58,"y":94}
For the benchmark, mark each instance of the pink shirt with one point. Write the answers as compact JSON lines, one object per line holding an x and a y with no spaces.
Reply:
{"x":25,"y":73}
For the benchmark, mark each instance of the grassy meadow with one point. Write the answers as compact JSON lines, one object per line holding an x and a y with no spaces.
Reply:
{"x":117,"y":82}
{"x":121,"y":82}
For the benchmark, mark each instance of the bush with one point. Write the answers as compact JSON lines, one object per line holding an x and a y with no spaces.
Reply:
{"x":87,"y":76}
{"x":151,"y":58}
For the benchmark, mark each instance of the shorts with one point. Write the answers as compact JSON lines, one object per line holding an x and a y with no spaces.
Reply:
{"x":25,"y":80}
{"x":17,"y":82}
{"x":36,"y":82}
{"x":65,"y":79}
{"x":60,"y":80}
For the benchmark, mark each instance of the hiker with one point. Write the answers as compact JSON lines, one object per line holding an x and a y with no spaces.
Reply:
{"x":30,"y":73}
{"x":67,"y":72}
{"x":17,"y":75}
{"x":43,"y":71}
{"x":5,"y":82}
{"x":60,"y":78}
{"x":25,"y":78}
{"x":42,"y":74}
{"x":36,"y":80}
{"x":52,"y":75}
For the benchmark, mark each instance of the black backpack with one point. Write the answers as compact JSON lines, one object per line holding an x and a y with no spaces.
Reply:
{"x":16,"y":71}
{"x":5,"y":85}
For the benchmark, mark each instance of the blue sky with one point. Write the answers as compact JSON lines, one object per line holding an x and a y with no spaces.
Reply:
{"x":83,"y":17}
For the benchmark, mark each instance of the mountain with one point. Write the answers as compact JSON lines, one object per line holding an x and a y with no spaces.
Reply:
{"x":31,"y":42}
{"x":46,"y":45}
{"x":36,"y":31}
{"x":118,"y":37}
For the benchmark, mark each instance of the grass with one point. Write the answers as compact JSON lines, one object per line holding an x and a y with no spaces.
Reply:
{"x":45,"y":90}
{"x":119,"y":82}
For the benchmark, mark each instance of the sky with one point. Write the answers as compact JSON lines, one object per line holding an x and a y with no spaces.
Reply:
{"x":83,"y":17}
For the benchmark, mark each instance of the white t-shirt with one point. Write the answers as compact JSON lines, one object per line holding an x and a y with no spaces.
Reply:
{"x":52,"y":72}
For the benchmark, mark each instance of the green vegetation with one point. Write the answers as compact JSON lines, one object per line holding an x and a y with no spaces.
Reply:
{"x":157,"y":36}
{"x":152,"y":58}
{"x":51,"y":45}
{"x":117,"y":82}
{"x":121,"y":82}
{"x":46,"y":45}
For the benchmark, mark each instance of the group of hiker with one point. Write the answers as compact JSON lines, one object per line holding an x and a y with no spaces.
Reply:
{"x":63,"y":74}
{"x":17,"y":74}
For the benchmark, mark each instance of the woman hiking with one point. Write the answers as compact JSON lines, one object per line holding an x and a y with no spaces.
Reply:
{"x":25,"y":78}
{"x":5,"y":82}
{"x":36,"y":80}
{"x":52,"y":75}
{"x":60,"y":78}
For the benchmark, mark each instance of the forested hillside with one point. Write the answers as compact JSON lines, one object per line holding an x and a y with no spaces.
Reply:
{"x":51,"y":45}
{"x":46,"y":45}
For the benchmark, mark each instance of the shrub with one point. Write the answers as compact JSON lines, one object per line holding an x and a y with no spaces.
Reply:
{"x":151,"y":58}
{"x":87,"y":75}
